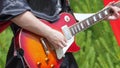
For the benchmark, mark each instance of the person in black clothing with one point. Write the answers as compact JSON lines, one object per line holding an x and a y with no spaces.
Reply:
{"x":26,"y":13}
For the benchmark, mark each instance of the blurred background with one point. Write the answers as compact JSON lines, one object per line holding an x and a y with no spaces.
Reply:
{"x":99,"y":48}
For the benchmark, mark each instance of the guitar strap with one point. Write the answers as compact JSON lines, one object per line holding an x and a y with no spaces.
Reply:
{"x":16,"y":58}
{"x":18,"y":54}
{"x":67,"y":8}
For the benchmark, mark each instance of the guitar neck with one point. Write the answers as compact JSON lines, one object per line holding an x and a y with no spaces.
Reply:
{"x":80,"y":26}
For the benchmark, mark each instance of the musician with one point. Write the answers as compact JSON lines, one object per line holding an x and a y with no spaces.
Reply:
{"x":26,"y":13}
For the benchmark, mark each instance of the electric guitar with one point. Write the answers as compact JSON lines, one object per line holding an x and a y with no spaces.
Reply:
{"x":39,"y":53}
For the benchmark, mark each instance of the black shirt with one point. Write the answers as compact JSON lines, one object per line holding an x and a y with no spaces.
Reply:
{"x":45,"y":9}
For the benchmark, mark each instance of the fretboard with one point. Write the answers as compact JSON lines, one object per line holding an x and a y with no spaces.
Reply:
{"x":80,"y":26}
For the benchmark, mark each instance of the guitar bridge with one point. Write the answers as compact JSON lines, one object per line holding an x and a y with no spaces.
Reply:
{"x":44,"y":45}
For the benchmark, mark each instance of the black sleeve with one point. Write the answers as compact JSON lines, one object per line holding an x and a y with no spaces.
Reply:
{"x":11,"y":8}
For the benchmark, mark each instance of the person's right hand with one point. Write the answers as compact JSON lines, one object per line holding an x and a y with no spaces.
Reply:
{"x":29,"y":22}
{"x":56,"y":38}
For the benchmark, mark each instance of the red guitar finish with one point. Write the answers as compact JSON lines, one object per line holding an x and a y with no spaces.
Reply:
{"x":35,"y":53}
{"x":38,"y":52}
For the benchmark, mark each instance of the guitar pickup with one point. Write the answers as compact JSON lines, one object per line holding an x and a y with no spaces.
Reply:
{"x":66,"y":32}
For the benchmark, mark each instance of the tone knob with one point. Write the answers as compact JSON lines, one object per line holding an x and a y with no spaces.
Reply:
{"x":52,"y":65}
{"x":38,"y":64}
{"x":46,"y":59}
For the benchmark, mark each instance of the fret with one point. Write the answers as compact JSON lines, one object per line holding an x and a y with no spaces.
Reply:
{"x":81,"y":24}
{"x":94,"y":18}
{"x":85,"y":24}
{"x":105,"y":12}
{"x":88,"y":23}
{"x":72,"y":30}
{"x":78,"y":27}
{"x":75,"y":28}
{"x":91,"y":20}
{"x":99,"y":15}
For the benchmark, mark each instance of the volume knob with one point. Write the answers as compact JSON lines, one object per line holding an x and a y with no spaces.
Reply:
{"x":38,"y":64}
{"x":52,"y":65}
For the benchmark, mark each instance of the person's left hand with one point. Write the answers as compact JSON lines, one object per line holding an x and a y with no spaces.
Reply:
{"x":116,"y":11}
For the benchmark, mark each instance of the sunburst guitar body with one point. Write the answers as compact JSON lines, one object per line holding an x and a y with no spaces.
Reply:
{"x":38,"y":52}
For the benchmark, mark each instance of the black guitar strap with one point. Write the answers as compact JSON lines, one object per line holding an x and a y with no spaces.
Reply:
{"x":68,"y":8}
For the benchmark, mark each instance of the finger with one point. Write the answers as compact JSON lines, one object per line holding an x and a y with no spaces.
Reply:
{"x":60,"y":45}
{"x":56,"y":46}
{"x":117,"y":2}
{"x":116,"y":11}
{"x":112,"y":18}
{"x":65,"y":40}
{"x":64,"y":43}
{"x":111,"y":3}
{"x":117,"y":15}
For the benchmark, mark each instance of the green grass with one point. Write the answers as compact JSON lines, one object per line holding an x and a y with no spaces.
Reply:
{"x":5,"y":40}
{"x":99,"y":48}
